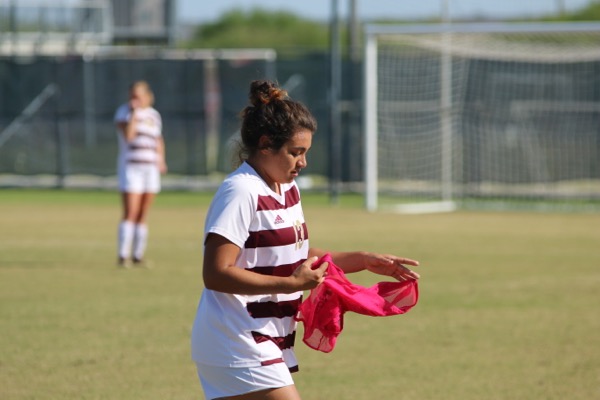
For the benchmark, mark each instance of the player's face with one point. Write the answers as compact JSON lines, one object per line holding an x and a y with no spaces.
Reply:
{"x":139,"y":97}
{"x":286,"y":163}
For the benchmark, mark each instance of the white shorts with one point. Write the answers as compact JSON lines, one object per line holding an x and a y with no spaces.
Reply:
{"x":139,"y":178}
{"x":225,"y":381}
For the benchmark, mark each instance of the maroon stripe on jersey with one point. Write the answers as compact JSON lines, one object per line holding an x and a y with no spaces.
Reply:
{"x":146,"y":135}
{"x":276,"y":237}
{"x":271,"y":362}
{"x":280,"y":270}
{"x":141,"y":162}
{"x":277,"y":361}
{"x":286,"y":342}
{"x":271,"y":309}
{"x":141,"y":147}
{"x":265,"y":203}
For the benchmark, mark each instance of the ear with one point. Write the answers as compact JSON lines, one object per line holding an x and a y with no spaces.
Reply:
{"x":264,"y":143}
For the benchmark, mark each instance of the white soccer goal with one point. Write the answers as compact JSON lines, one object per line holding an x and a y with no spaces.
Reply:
{"x":500,"y":115}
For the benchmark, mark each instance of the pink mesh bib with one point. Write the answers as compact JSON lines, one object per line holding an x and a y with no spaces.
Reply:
{"x":322,"y":312}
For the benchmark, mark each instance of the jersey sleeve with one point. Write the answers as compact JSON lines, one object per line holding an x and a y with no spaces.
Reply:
{"x":123,"y":114}
{"x":230,"y":214}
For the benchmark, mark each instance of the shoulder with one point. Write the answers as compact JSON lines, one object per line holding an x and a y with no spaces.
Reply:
{"x":233,"y":208}
{"x":242,"y":186}
{"x":153,"y":112}
{"x":154,"y":115}
{"x":241,"y":183}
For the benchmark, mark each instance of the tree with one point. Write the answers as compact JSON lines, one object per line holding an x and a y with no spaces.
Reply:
{"x":259,"y":28}
{"x":591,"y":12}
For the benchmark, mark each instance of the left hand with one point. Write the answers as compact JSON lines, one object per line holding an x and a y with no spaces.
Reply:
{"x":389,"y":265}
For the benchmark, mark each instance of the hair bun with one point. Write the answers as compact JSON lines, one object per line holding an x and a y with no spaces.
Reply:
{"x":264,"y":92}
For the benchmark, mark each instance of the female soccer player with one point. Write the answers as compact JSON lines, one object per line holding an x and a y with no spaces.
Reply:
{"x":140,"y":163}
{"x":257,"y":259}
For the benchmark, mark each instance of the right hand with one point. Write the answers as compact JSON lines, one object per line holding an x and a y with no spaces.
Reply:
{"x":134,"y":104}
{"x":309,"y":277}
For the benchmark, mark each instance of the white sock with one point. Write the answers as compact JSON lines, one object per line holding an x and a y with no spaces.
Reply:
{"x":125,"y":238}
{"x":140,"y":240}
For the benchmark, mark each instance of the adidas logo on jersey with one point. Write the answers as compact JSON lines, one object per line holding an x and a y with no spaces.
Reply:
{"x":279,"y":220}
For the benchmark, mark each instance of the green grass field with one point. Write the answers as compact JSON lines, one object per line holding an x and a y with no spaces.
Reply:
{"x":509,"y":305}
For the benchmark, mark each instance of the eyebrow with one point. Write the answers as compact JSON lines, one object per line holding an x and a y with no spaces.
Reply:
{"x":299,"y":148}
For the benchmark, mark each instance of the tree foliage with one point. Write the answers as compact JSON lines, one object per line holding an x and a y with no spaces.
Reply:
{"x":591,"y":12}
{"x":259,"y":28}
{"x":284,"y":31}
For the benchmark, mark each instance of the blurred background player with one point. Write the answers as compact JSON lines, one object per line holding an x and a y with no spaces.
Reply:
{"x":141,"y":162}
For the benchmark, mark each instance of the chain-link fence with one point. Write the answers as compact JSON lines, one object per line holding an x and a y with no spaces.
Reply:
{"x":56,"y":113}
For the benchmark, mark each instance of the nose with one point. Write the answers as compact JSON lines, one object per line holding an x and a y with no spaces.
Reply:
{"x":302,"y":161}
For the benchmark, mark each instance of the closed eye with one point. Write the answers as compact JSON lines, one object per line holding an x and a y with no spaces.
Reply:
{"x":298,"y":152}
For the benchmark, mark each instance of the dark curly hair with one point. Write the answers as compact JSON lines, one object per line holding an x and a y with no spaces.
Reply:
{"x":274,"y":114}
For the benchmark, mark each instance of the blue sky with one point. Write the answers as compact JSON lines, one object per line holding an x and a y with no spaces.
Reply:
{"x":206,"y":10}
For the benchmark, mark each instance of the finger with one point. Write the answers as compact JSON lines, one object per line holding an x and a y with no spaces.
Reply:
{"x":397,"y":275}
{"x":407,"y":261}
{"x":411,"y":274}
{"x":414,"y":275}
{"x":311,"y":262}
{"x":322,"y":268}
{"x":404,"y":272}
{"x":323,"y":271}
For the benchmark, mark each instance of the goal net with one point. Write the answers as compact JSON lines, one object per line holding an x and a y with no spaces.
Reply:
{"x":482,"y":115}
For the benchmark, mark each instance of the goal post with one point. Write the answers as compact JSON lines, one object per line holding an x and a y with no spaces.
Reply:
{"x":441,"y":105}
{"x":481,"y":114}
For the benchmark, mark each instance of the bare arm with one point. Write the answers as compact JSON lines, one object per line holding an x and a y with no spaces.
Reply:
{"x":162,"y":163}
{"x":382,"y":264}
{"x":128,"y":129}
{"x":221,"y":274}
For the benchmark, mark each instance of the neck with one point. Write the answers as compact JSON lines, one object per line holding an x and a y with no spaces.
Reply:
{"x":274,"y":186}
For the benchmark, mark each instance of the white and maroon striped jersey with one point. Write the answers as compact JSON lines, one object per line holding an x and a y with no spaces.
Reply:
{"x":246,"y":331}
{"x":143,"y":147}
